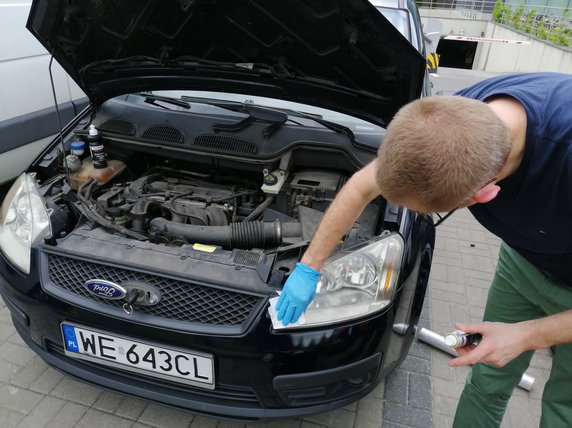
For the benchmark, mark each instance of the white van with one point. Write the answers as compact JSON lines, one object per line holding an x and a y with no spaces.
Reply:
{"x":26,"y":95}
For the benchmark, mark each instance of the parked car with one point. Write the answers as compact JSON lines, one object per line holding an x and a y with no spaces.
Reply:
{"x":26,"y":96}
{"x":140,"y":251}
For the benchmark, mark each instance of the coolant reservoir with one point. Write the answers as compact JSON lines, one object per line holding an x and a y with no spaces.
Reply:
{"x":87,"y":171}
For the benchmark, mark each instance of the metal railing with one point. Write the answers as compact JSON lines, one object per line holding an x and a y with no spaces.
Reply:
{"x":460,"y":9}
{"x":540,"y":21}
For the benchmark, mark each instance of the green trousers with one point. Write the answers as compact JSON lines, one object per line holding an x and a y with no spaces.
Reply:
{"x":519,"y":292}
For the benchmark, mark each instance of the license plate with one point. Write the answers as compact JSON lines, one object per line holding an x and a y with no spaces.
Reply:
{"x":111,"y":350}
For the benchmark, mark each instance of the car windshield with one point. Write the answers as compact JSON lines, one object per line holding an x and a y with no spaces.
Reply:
{"x":355,"y":124}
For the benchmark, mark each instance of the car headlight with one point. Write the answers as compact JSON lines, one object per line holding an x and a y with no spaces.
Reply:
{"x":356,"y":282}
{"x":24,"y":221}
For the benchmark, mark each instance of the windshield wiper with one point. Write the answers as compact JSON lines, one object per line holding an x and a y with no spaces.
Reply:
{"x":274,"y":117}
{"x":152,"y":99}
{"x":277,"y":117}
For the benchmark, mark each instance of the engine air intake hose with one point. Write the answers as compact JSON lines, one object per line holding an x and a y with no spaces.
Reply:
{"x":245,"y":235}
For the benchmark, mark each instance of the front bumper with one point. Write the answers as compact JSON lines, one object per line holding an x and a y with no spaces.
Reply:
{"x":260,"y":376}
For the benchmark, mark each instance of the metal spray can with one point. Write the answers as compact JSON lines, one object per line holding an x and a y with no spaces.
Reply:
{"x":458,"y":339}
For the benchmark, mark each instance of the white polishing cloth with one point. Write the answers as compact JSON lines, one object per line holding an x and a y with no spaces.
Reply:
{"x":274,"y":316}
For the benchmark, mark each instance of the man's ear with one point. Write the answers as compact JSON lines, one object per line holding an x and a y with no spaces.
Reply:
{"x":486,"y":194}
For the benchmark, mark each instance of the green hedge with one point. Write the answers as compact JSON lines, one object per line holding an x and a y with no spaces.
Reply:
{"x":542,"y":29}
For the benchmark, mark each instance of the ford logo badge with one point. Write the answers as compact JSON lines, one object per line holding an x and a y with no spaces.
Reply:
{"x":105,"y":289}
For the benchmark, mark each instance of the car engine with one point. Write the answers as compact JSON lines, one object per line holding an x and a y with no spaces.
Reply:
{"x":175,"y":207}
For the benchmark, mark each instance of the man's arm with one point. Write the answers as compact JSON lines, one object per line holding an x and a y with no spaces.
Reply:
{"x":300,"y":288}
{"x":502,"y":342}
{"x":359,"y":191}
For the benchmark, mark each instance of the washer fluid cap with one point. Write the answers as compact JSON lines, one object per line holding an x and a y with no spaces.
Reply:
{"x":77,"y":147}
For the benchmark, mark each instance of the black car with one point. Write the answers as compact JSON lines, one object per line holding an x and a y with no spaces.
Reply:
{"x":140,"y":251}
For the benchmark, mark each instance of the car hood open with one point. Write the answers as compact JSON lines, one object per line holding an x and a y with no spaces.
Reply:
{"x":338,"y":54}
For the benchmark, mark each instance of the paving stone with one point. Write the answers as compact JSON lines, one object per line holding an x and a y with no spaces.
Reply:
{"x":440,"y":367}
{"x":205,"y":422}
{"x":459,"y":313}
{"x":461,"y":374}
{"x":420,"y":391}
{"x":448,"y":255}
{"x":369,"y":413}
{"x":408,"y":416}
{"x":442,"y":421}
{"x":230,"y":424}
{"x":420,"y":350}
{"x":480,"y":283}
{"x":378,"y":391}
{"x":417,"y":365}
{"x":131,"y":408}
{"x":16,"y":354}
{"x":108,"y":402}
{"x":18,"y":399}
{"x":43,"y":412}
{"x":393,"y":425}
{"x":447,"y":296}
{"x":5,"y":316}
{"x":308,"y":424}
{"x":285,"y":423}
{"x":351,"y":407}
{"x":476,"y":314}
{"x":477,"y":297}
{"x":163,"y":417}
{"x":446,"y":286}
{"x":95,"y":418}
{"x":29,"y":373}
{"x":16,"y":339}
{"x":444,"y":405}
{"x":47,"y":381}
{"x":447,"y":387}
{"x":68,"y":416}
{"x":519,"y":414}
{"x":75,"y":391}
{"x":8,"y":370}
{"x":455,"y":274}
{"x":6,"y":330}
{"x":339,"y":418}
{"x":10,"y":418}
{"x":396,"y":385}
{"x":477,"y":274}
{"x":438,"y":272}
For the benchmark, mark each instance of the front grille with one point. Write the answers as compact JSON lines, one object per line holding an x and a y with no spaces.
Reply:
{"x":180,"y":300}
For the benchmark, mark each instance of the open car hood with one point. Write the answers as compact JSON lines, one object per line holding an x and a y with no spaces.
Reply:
{"x":338,"y":54}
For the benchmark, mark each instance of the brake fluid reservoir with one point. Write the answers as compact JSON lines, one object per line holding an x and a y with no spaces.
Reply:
{"x":88,"y":170}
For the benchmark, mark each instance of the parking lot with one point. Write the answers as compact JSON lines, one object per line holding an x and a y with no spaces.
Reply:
{"x":422,"y":392}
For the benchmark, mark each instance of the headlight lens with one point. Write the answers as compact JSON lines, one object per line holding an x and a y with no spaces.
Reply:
{"x":24,"y":221}
{"x":356,"y":282}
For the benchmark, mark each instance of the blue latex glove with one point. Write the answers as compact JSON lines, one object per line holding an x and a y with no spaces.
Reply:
{"x":298,"y":292}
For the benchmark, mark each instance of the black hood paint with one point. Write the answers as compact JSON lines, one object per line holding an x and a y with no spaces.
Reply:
{"x":338,"y":54}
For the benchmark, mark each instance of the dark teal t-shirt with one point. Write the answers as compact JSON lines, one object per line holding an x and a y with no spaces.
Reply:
{"x":533,"y":211}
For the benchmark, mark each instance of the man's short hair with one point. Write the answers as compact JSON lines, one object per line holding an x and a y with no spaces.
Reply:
{"x":438,"y":151}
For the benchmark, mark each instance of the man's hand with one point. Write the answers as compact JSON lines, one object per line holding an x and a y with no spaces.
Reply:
{"x":501,"y":343}
{"x":298,"y":292}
